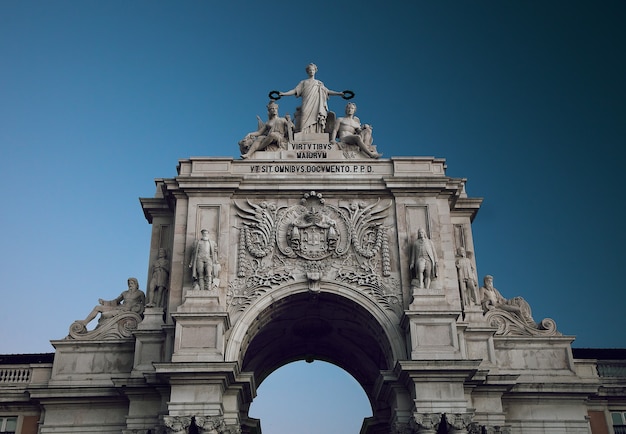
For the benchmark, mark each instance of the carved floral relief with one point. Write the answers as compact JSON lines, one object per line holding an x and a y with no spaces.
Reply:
{"x":313,"y":241}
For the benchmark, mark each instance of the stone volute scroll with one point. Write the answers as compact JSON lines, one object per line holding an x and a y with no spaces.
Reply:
{"x":512,"y":316}
{"x":118,"y":317}
{"x":204,"y":264}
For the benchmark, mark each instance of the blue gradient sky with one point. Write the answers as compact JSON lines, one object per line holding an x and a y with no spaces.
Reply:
{"x":525,"y":99}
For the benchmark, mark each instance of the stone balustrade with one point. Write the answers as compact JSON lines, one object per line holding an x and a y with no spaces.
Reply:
{"x":13,"y":375}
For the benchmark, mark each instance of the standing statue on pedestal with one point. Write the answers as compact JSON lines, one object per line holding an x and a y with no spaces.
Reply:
{"x":276,"y":131}
{"x":204,"y":265}
{"x":423,"y":263}
{"x":350,"y":132}
{"x":311,"y":117}
{"x":131,"y":300}
{"x":157,"y":290}
{"x":467,"y":279}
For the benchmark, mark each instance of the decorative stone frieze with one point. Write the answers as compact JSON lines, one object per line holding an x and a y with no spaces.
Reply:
{"x":474,"y":428}
{"x":458,"y":422}
{"x":426,"y":423}
{"x":314,"y":241}
{"x":199,"y":424}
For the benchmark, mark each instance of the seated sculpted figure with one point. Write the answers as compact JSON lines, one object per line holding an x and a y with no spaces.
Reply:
{"x":276,"y":131}
{"x":349,"y":130}
{"x":492,"y":299}
{"x":131,"y":300}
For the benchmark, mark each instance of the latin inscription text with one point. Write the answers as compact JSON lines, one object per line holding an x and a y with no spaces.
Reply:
{"x":311,"y":168}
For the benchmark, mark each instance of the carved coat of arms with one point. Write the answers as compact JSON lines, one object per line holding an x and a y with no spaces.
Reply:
{"x":316,"y":241}
{"x":312,"y":231}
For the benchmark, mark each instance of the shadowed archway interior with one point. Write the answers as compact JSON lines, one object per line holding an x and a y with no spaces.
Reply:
{"x":320,"y":326}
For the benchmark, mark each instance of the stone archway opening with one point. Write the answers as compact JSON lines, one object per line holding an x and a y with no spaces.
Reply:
{"x":325,"y":327}
{"x":310,"y":398}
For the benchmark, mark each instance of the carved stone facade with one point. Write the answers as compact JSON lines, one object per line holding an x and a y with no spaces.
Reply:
{"x":313,"y":241}
{"x":313,"y":252}
{"x":318,"y":273}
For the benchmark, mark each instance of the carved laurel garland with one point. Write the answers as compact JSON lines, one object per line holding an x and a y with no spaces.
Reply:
{"x":313,"y":240}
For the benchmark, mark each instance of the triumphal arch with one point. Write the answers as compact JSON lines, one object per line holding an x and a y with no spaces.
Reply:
{"x":314,"y":246}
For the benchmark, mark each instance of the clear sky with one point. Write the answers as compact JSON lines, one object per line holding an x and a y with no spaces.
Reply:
{"x":525,"y":99}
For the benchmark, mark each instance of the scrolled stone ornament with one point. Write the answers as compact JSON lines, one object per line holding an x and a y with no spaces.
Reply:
{"x":120,"y":326}
{"x":512,"y":316}
{"x":78,"y":328}
{"x":426,"y":423}
{"x":347,"y":94}
{"x":458,"y":422}
{"x":176,"y":424}
{"x":274,"y":95}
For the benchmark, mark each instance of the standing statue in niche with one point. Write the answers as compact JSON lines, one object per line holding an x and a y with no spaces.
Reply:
{"x":131,"y":300}
{"x":423,"y":264}
{"x":467,"y":278}
{"x":204,"y":265}
{"x":492,"y":299}
{"x":350,"y":132}
{"x":311,"y":117}
{"x":276,"y":131}
{"x":157,"y":290}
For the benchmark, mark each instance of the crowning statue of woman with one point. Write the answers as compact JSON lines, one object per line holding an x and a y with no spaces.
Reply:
{"x":314,"y":109}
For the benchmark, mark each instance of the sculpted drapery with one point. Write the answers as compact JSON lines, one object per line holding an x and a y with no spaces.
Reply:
{"x":314,"y":104}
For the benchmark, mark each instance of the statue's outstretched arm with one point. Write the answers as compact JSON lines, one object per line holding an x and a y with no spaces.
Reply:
{"x":288,"y":93}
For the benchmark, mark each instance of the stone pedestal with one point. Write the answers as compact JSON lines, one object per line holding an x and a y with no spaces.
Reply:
{"x":200,"y":326}
{"x":149,"y":347}
{"x":432,"y":335}
{"x":311,"y":138}
{"x":438,"y":386}
{"x":207,"y":389}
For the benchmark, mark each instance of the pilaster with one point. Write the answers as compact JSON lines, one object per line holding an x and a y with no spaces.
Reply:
{"x":438,"y":386}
